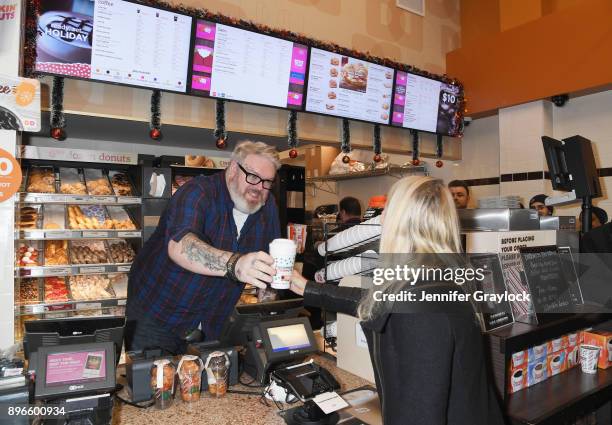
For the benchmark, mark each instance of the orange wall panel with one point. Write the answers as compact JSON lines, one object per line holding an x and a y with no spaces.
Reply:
{"x":563,"y":52}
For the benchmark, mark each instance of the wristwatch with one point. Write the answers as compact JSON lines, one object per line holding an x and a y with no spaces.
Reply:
{"x":230,"y":266}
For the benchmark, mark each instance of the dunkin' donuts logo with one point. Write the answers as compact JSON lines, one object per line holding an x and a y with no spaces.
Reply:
{"x":8,"y":12}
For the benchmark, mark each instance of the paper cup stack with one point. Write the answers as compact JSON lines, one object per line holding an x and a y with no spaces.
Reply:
{"x":352,"y":265}
{"x":353,"y":236}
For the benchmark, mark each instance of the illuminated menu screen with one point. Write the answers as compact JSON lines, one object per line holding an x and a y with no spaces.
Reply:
{"x":425,"y":104}
{"x":114,"y":41}
{"x":347,"y":87}
{"x":236,"y":64}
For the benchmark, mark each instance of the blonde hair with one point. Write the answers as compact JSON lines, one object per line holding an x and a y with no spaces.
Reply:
{"x":420,"y":218}
{"x":248,"y":147}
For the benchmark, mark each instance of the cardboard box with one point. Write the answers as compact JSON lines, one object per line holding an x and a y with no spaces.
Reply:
{"x":573,"y":339}
{"x":556,"y":344}
{"x":319,"y":160}
{"x":556,"y":363}
{"x":517,"y":377}
{"x":519,"y":359}
{"x":537,"y":372}
{"x":603,"y":340}
{"x":572,"y":356}
{"x":537,"y":353}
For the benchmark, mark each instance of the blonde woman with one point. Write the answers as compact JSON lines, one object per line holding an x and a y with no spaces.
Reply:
{"x":428,"y":358}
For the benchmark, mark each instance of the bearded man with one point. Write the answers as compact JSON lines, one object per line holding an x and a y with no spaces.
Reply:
{"x":211,"y":240}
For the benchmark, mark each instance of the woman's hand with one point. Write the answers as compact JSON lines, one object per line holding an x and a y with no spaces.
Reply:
{"x":298,"y":283}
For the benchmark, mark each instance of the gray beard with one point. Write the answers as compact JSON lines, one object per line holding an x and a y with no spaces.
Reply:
{"x":240,"y":203}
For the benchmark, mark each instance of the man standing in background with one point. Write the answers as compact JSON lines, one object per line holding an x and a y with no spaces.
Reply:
{"x":461,"y":193}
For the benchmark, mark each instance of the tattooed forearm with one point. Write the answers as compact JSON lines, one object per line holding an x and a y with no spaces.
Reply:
{"x":198,"y":252}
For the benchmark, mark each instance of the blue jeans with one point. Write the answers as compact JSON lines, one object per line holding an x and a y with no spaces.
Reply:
{"x":144,"y":332}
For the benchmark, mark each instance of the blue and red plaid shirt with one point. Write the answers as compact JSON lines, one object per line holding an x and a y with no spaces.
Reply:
{"x":175,"y":297}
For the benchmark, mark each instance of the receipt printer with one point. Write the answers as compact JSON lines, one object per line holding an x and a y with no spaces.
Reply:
{"x":138,"y":370}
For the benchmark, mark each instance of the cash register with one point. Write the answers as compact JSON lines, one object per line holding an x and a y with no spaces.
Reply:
{"x":74,"y":363}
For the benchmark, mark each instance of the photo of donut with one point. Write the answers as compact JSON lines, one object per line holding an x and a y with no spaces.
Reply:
{"x":388,"y":75}
{"x":385,"y":106}
{"x":333,"y":84}
{"x":384,"y":116}
{"x":333,"y":72}
{"x":335,"y":61}
{"x":354,"y":77}
{"x":331,"y":95}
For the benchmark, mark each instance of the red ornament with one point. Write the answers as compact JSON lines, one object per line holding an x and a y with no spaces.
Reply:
{"x":155,"y":133}
{"x":439,"y":164}
{"x":293,"y":154}
{"x":221,"y":143}
{"x":377,"y":158}
{"x":415,"y":162}
{"x":58,"y":133}
{"x":346,"y":159}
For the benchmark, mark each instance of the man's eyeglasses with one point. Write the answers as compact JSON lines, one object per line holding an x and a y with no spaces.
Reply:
{"x":254,"y":179}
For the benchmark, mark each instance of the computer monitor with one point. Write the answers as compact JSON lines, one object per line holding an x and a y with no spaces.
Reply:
{"x":53,"y":332}
{"x":75,"y":369}
{"x":245,"y":317}
{"x":287,"y":340}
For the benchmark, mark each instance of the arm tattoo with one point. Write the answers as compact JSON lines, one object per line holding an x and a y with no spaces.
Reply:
{"x":197,"y":251}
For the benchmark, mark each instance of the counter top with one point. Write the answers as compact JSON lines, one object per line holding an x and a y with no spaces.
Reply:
{"x":233,"y":409}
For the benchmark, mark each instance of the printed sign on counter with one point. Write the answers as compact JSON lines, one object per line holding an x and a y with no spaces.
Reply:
{"x":19,"y":104}
{"x":10,"y":175}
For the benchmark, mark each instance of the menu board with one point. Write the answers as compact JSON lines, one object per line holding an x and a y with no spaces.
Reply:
{"x":347,"y":87}
{"x":114,"y":41}
{"x":548,"y":284}
{"x":424,"y":104}
{"x":235,"y":64}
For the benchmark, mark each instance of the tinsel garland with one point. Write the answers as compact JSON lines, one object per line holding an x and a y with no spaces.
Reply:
{"x":439,"y":146}
{"x":345,"y":143}
{"x":415,"y":146}
{"x":155,"y":122}
{"x":58,"y":120}
{"x":220,"y":133}
{"x":376,"y":140}
{"x":30,"y":34}
{"x":292,"y":137}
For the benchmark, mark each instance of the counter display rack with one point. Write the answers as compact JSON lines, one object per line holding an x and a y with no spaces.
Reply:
{"x":78,"y":227}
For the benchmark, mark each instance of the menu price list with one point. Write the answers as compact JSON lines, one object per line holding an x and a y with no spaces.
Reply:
{"x":347,"y":87}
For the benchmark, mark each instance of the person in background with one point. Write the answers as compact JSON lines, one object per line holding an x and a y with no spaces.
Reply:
{"x":429,"y":361}
{"x":349,"y":211}
{"x":538,"y":203}
{"x":461,"y":193}
{"x":211,"y":240}
{"x":599,"y":217}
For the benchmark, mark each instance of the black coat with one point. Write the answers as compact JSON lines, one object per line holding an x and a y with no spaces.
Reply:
{"x":429,"y":365}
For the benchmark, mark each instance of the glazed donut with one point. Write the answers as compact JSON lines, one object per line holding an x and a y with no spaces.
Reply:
{"x":195,"y":160}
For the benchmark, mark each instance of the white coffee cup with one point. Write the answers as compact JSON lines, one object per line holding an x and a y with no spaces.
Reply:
{"x":555,"y":365}
{"x":517,"y":380}
{"x":283,"y":251}
{"x":538,"y":371}
{"x":589,"y":354}
{"x":517,"y":358}
{"x":573,"y":339}
{"x":557,"y":344}
{"x":610,"y":350}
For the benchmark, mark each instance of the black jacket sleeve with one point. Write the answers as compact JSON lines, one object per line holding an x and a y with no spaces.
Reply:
{"x":333,"y":298}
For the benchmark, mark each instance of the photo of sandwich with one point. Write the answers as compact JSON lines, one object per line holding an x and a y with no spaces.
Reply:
{"x":330,"y":107}
{"x":331,"y":95}
{"x":335,"y":61}
{"x":333,"y":72}
{"x":388,"y":75}
{"x":333,"y":84}
{"x":354,"y":77}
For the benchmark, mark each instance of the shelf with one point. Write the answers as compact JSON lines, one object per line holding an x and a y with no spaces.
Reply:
{"x":70,"y":305}
{"x":520,"y":336}
{"x":58,"y":198}
{"x":560,"y":397}
{"x":393,"y":170}
{"x":76,"y":234}
{"x":70,"y":270}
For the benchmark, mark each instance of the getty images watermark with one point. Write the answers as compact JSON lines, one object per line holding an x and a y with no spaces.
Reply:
{"x":475,"y":284}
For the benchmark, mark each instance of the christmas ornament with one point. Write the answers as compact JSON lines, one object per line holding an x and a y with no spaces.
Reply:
{"x":58,"y":133}
{"x":439,"y":164}
{"x":155,"y":133}
{"x":293,"y":154}
{"x":415,"y":162}
{"x":221,"y":143}
{"x":346,"y":159}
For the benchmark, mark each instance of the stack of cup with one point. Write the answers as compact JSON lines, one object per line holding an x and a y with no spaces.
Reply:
{"x":589,"y":355}
{"x":353,"y":236}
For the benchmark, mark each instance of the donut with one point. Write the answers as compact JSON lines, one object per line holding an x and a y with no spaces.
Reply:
{"x":195,"y":160}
